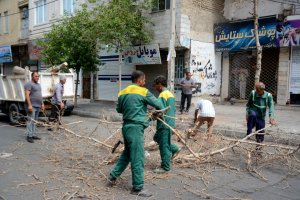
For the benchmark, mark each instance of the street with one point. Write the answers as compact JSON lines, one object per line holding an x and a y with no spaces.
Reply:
{"x":65,"y":166}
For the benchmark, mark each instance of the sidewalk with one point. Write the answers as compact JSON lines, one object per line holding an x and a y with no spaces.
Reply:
{"x":230,"y":119}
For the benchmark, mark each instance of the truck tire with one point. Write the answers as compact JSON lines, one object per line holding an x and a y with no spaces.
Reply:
{"x":14,"y":114}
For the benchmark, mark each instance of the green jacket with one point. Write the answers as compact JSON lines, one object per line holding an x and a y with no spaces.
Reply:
{"x":132,"y":103}
{"x":259,"y":104}
{"x":167,"y":99}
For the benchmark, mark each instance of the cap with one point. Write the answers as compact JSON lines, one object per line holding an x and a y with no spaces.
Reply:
{"x":62,"y":77}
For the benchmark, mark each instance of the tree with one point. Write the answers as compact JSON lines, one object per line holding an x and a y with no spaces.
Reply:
{"x":258,"y":46}
{"x":73,"y":41}
{"x":121,"y":23}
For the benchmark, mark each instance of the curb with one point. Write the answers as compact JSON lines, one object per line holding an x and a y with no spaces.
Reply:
{"x":288,"y":139}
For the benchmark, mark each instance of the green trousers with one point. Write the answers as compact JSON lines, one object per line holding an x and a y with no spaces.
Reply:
{"x":133,"y":135}
{"x":166,"y":148}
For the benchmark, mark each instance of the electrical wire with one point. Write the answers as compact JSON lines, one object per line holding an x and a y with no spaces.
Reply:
{"x":31,"y":8}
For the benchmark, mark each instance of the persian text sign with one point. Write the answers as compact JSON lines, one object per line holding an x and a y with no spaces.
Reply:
{"x":5,"y":54}
{"x":142,"y":55}
{"x":240,"y":35}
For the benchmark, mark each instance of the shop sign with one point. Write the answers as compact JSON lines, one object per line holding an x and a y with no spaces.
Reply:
{"x":5,"y":54}
{"x":288,"y":33}
{"x":234,"y":36}
{"x":142,"y":55}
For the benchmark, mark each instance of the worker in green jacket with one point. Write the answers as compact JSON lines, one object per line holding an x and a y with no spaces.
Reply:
{"x":132,"y":103}
{"x":256,"y":110}
{"x":163,"y":133}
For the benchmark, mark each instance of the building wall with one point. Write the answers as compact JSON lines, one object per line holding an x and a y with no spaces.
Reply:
{"x":203,"y":14}
{"x":225,"y":77}
{"x":54,"y":11}
{"x":283,"y":76}
{"x":13,"y":35}
{"x":242,"y":9}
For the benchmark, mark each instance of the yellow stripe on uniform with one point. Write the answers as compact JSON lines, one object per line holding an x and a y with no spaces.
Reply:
{"x":133,"y":89}
{"x":166,"y":95}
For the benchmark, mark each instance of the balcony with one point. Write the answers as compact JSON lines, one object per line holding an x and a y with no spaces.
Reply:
{"x":22,"y":3}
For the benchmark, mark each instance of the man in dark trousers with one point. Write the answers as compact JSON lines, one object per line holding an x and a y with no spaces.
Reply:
{"x":163,"y":133}
{"x":132,"y":103}
{"x":33,"y":105}
{"x":256,"y":110}
{"x":186,"y":84}
{"x":57,"y":102}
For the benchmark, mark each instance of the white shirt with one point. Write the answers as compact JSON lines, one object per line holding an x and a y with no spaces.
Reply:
{"x":206,"y":108}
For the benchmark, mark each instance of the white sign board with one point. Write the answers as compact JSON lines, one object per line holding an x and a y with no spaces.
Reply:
{"x":206,"y":67}
{"x":142,"y":55}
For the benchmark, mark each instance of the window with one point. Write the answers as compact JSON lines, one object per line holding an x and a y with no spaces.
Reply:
{"x":40,"y":12}
{"x":69,"y":6}
{"x":6,"y":22}
{"x":161,"y":5}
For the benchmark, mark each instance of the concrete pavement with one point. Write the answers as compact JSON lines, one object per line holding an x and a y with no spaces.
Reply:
{"x":230,"y":119}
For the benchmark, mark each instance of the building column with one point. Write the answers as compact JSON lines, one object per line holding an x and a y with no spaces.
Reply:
{"x":225,"y":77}
{"x":283,"y":76}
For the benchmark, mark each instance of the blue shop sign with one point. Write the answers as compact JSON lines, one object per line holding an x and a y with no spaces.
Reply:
{"x":234,"y":36}
{"x":5,"y":54}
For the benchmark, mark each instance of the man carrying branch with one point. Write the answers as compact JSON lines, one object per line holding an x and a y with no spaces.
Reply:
{"x":257,"y":105}
{"x":132,"y":103}
{"x":163,"y":133}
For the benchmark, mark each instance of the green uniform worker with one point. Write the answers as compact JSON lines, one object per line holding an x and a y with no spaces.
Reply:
{"x":163,"y":133}
{"x":132,"y":103}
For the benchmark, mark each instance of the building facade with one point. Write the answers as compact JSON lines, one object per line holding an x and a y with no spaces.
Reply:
{"x":279,"y":31}
{"x":14,"y":34}
{"x":194,"y":45}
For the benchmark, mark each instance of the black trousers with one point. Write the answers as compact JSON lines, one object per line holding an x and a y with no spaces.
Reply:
{"x":184,"y":97}
{"x":56,"y":111}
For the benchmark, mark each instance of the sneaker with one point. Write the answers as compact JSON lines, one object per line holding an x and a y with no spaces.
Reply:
{"x":174,"y":155}
{"x":29,"y":139}
{"x":111,"y":181}
{"x":160,"y":171}
{"x":36,"y":138}
{"x":141,"y":193}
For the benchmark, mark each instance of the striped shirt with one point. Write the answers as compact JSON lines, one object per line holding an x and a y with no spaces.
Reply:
{"x":206,"y":108}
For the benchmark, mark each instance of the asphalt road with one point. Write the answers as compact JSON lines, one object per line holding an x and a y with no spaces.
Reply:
{"x":61,"y":165}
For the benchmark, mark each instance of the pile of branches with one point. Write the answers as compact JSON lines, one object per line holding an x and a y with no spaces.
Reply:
{"x":92,"y":151}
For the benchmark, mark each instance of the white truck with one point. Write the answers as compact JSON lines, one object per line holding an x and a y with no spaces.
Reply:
{"x":12,"y":93}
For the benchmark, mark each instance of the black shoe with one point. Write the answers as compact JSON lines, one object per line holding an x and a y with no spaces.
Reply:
{"x":29,"y":139}
{"x":111,"y":181}
{"x":174,"y":155}
{"x":50,"y":129}
{"x":141,"y":193}
{"x":187,"y":110}
{"x":36,"y":138}
{"x":160,"y":171}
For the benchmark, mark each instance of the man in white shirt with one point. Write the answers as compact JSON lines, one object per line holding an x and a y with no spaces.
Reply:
{"x":204,"y":113}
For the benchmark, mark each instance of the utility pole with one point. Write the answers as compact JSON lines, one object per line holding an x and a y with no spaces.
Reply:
{"x":172,"y":53}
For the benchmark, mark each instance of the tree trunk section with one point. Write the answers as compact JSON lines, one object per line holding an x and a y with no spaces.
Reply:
{"x":76,"y":88}
{"x":258,"y":47}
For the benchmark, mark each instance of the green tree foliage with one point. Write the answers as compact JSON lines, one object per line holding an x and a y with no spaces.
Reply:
{"x":72,"y":40}
{"x":120,"y":23}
